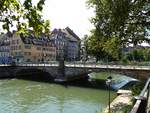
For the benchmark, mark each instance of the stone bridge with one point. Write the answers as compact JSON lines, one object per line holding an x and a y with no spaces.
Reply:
{"x":137,"y":72}
{"x":67,"y":71}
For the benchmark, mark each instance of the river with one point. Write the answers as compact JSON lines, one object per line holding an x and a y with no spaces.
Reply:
{"x":25,"y":96}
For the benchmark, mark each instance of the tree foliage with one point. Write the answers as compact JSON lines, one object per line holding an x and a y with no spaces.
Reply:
{"x":139,"y":54}
{"x":118,"y":23}
{"x":23,"y":16}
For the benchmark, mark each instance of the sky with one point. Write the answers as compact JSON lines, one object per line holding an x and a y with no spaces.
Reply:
{"x":68,"y":13}
{"x":71,"y":13}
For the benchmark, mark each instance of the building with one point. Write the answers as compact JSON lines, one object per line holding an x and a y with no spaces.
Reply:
{"x":58,"y":38}
{"x":21,"y":48}
{"x":32,"y":49}
{"x":129,"y":49}
{"x":5,"y":56}
{"x":74,"y":45}
{"x":67,"y":44}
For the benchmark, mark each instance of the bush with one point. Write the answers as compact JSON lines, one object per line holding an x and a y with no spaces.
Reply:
{"x":137,"y":88}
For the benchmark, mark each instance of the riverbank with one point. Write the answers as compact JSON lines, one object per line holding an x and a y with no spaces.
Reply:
{"x":121,"y":102}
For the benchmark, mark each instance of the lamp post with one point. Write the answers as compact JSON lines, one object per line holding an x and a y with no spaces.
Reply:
{"x":74,"y":58}
{"x":108,"y":83}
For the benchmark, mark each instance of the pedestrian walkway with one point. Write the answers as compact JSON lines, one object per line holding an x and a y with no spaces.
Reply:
{"x":148,"y":106}
{"x":121,"y":101}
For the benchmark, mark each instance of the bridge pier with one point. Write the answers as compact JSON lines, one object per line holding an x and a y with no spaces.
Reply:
{"x":61,"y":71}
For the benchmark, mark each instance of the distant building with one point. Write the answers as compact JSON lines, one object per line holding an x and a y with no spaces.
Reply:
{"x":58,"y":38}
{"x":5,"y":56}
{"x":131,"y":48}
{"x":32,"y":49}
{"x":21,"y":48}
{"x":74,"y":45}
{"x":67,"y":44}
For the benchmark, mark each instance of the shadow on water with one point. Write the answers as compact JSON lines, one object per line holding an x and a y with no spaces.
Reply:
{"x":84,"y":82}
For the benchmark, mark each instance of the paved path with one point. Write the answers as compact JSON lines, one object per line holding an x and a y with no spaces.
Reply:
{"x":119,"y":102}
{"x":148,"y":106}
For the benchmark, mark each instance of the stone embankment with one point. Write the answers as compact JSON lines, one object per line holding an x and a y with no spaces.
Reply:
{"x":121,"y":101}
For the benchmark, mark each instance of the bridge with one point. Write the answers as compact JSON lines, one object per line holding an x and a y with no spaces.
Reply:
{"x":61,"y":71}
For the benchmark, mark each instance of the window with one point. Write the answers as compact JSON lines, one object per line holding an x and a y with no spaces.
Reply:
{"x":17,"y":41}
{"x":25,"y":53}
{"x":44,"y":49}
{"x":27,"y":46}
{"x":28,"y":60}
{"x":13,"y":41}
{"x":29,"y":53}
{"x":38,"y":48}
{"x":19,"y":46}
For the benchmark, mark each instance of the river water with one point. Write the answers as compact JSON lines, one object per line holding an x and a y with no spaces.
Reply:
{"x":24,"y":96}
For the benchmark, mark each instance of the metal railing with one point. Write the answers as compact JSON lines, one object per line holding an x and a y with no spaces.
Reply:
{"x":141,"y":103}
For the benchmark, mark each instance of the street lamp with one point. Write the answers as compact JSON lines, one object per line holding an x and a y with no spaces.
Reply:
{"x":108,"y":83}
{"x":74,"y":58}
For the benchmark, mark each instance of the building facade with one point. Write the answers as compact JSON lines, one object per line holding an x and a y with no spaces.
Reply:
{"x":32,"y":49}
{"x":58,"y":38}
{"x":73,"y":45}
{"x":61,"y":44}
{"x":67,"y":44}
{"x":5,"y":56}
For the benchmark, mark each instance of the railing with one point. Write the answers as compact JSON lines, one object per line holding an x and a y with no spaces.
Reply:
{"x":82,"y":65}
{"x":141,"y":103}
{"x":95,"y":63}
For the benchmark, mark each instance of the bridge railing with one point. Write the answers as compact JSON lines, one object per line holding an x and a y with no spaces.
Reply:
{"x":81,"y":64}
{"x":52,"y":63}
{"x":141,"y":103}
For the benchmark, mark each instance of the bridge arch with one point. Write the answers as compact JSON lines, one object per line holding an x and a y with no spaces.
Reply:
{"x":33,"y":74}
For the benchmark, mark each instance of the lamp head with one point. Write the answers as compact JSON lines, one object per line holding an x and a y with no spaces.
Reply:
{"x":109,"y":80}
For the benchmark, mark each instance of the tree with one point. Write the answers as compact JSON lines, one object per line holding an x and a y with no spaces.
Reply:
{"x":95,"y":47}
{"x":84,"y":48}
{"x":126,"y":20}
{"x":147,"y":54}
{"x":23,"y":16}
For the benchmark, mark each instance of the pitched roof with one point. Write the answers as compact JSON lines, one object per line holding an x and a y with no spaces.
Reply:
{"x":72,"y":33}
{"x":65,"y":33}
{"x":36,"y":41}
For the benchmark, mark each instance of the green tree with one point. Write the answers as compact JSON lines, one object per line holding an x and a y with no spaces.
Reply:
{"x":112,"y":48}
{"x":95,"y":47}
{"x":127,"y":20}
{"x":147,"y":54}
{"x":23,"y":16}
{"x":137,"y":55}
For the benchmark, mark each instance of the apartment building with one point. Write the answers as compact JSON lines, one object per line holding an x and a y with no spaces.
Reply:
{"x":67,"y":44}
{"x":32,"y":49}
{"x":73,"y":45}
{"x":5,"y":56}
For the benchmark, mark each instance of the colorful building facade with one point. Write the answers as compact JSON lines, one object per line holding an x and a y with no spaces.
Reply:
{"x":32,"y":49}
